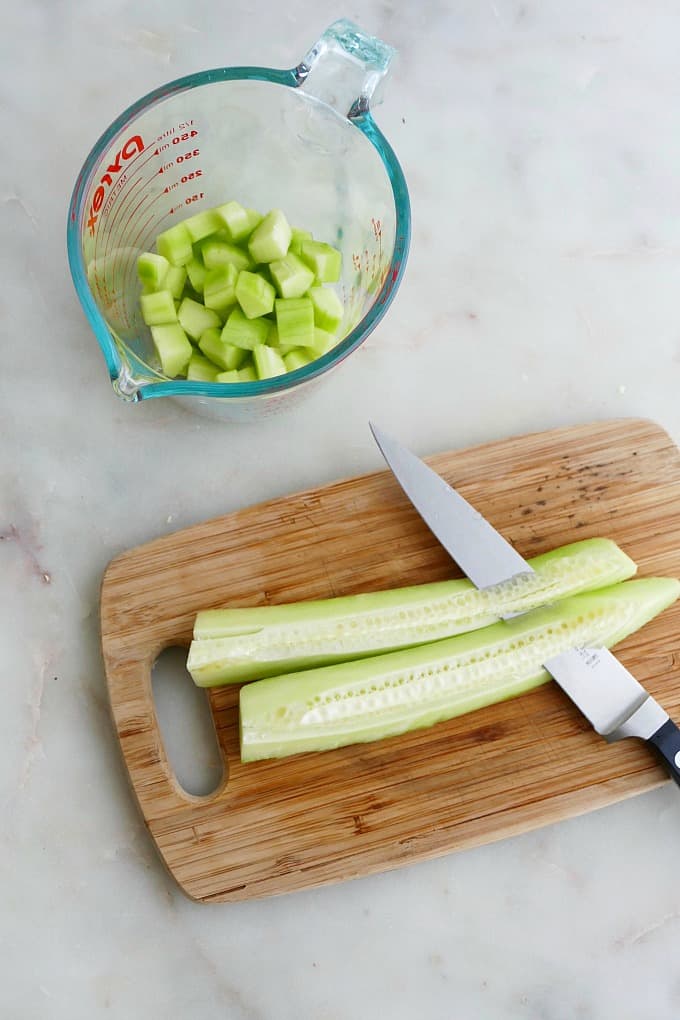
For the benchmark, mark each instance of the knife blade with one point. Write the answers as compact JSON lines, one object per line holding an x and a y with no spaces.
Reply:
{"x":607,"y":694}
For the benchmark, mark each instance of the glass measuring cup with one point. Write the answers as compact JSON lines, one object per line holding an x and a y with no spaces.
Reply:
{"x":303,"y":140}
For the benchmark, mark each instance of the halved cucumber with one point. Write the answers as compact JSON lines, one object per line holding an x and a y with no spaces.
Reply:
{"x":232,"y":645}
{"x":354,"y":702}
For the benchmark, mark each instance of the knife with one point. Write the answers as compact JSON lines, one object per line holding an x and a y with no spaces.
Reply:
{"x":602,"y":688}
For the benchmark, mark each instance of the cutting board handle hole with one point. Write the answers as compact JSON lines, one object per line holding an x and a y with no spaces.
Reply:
{"x":186,"y":725}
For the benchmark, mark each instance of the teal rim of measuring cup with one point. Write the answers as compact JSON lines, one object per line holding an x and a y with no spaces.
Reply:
{"x":360,"y":116}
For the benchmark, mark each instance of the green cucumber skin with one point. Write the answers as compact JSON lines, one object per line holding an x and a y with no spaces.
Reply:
{"x":235,"y":645}
{"x":390,"y":694}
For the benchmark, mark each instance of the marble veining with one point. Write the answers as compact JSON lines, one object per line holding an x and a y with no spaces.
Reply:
{"x":541,"y":148}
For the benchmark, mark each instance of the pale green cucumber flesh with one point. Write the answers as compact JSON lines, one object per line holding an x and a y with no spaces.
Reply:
{"x":328,"y":310}
{"x":221,"y":253}
{"x":203,"y":224}
{"x":247,"y":373}
{"x":268,"y":362}
{"x":195,"y":318}
{"x":196,"y":272}
{"x":243,"y":332}
{"x":233,"y":645}
{"x":401,"y":691}
{"x":175,"y":281}
{"x":291,"y":276}
{"x":254,"y":294}
{"x":201,"y":369}
{"x":324,"y":261}
{"x":219,"y":288}
{"x":158,"y":308}
{"x":152,"y":270}
{"x":173,"y":348}
{"x":228,"y":377}
{"x":175,"y":245}
{"x":270,"y":239}
{"x":297,"y":358}
{"x":295,"y":322}
{"x":211,"y":345}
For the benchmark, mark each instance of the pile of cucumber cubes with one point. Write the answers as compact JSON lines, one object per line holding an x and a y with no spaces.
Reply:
{"x":232,"y":296}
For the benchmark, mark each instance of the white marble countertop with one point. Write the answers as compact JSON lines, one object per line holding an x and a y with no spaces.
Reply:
{"x":541,"y":148}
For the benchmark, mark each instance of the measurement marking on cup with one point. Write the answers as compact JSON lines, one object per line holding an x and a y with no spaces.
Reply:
{"x":103,"y":237}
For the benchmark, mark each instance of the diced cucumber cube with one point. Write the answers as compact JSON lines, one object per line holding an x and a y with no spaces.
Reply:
{"x":229,"y":377}
{"x":158,"y":308}
{"x":295,"y":322}
{"x":268,"y":362}
{"x":201,"y":369}
{"x":296,"y":358}
{"x":203,"y":224}
{"x":221,"y":253}
{"x":248,"y":373}
{"x":273,"y":339}
{"x":324,"y":261}
{"x":254,"y":294}
{"x":291,"y":276}
{"x":297,"y":237}
{"x":219,"y":287}
{"x":152,"y":270}
{"x":238,"y":222}
{"x":195,"y":318}
{"x":196,"y":272}
{"x":323,"y":342}
{"x":243,"y":332}
{"x":328,"y":309}
{"x":175,"y":279}
{"x":175,"y":245}
{"x":173,"y":348}
{"x":210,"y":343}
{"x":269,"y":241}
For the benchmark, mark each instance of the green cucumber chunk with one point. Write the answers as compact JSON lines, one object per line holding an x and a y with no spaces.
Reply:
{"x":195,"y":318}
{"x":247,"y":373}
{"x":295,"y":321}
{"x":379,"y":697}
{"x":228,"y":377}
{"x":201,"y":369}
{"x":158,"y":307}
{"x":211,"y":346}
{"x":203,"y":224}
{"x":328,"y":309}
{"x":238,"y":222}
{"x":296,"y":239}
{"x":221,"y":253}
{"x":270,"y":239}
{"x":324,"y":261}
{"x":323,"y":342}
{"x":175,"y":281}
{"x":175,"y":245}
{"x":232,"y":645}
{"x":243,"y":332}
{"x":152,"y":270}
{"x":173,"y":348}
{"x":268,"y":362}
{"x":254,"y":294}
{"x":196,"y":272}
{"x":296,"y":359}
{"x":219,"y":288}
{"x":291,"y":276}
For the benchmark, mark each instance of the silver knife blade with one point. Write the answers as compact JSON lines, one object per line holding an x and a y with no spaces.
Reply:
{"x":599,"y":685}
{"x":610,"y":697}
{"x":478,"y":549}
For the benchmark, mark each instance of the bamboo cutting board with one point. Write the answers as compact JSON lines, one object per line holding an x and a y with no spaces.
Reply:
{"x":276,"y":826}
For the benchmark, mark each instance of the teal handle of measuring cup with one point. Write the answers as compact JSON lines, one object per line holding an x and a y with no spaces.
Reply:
{"x":346,"y":69}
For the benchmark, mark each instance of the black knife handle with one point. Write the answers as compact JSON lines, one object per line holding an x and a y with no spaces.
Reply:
{"x":667,"y":742}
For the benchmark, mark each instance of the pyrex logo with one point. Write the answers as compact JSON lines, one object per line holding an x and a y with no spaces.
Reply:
{"x":132,"y":147}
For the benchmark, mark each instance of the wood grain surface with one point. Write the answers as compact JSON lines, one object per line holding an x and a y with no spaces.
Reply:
{"x":277,"y":826}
